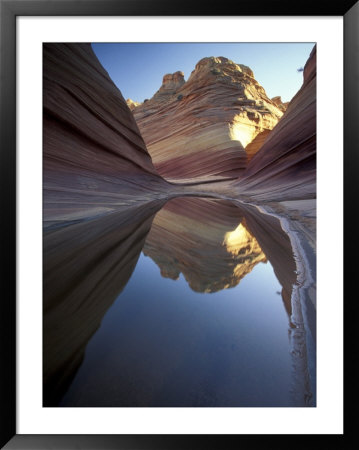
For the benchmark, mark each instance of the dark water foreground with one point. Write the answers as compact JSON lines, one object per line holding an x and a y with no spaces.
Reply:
{"x":197,"y":302}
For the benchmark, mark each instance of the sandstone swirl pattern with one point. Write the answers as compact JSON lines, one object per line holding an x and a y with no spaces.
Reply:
{"x":285,"y":166}
{"x":201,"y":127}
{"x":93,"y":154}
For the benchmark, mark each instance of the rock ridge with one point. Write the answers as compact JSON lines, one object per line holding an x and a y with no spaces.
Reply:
{"x":201,"y":127}
{"x":94,"y":157}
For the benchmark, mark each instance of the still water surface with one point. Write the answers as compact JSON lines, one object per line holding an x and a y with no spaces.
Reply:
{"x":202,"y":315}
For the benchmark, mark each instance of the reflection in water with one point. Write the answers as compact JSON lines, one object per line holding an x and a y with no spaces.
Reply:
{"x":86,"y":266}
{"x":216,"y":337}
{"x":206,"y":240}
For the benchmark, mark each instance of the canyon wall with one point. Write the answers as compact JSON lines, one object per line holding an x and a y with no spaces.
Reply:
{"x":94,"y":157}
{"x":201,"y":128}
{"x":216,"y":125}
{"x":285,"y":166}
{"x":278,"y":101}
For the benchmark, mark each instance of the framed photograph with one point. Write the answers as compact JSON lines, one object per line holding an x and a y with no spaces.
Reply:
{"x":174,"y":193}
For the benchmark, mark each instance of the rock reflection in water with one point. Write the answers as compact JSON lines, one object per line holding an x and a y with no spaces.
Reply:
{"x":214,"y":244}
{"x":206,"y":240}
{"x":86,"y":266}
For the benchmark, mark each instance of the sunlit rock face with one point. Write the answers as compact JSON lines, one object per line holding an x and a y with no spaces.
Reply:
{"x":94,"y":157}
{"x":278,"y":101}
{"x":205,"y":240}
{"x":86,"y":266}
{"x":202,"y":127}
{"x":285,"y":166}
{"x":132,"y":104}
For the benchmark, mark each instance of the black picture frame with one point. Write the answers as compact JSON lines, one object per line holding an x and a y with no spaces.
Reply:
{"x":9,"y":10}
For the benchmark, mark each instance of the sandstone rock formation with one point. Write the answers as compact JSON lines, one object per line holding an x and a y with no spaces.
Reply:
{"x":94,"y":157}
{"x":278,"y":101}
{"x":285,"y":166}
{"x":217,"y":125}
{"x":202,"y":127}
{"x":132,"y":104}
{"x":171,"y":83}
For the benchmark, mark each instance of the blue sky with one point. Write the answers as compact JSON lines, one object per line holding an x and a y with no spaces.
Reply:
{"x":137,"y":69}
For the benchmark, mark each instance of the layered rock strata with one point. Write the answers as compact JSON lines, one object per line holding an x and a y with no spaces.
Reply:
{"x":95,"y":161}
{"x":285,"y":166}
{"x":202,"y":127}
{"x":94,"y":157}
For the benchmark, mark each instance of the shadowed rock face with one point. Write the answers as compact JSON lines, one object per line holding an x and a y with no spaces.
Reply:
{"x":93,"y":154}
{"x":86,"y":266}
{"x":202,"y":127}
{"x":285,"y":166}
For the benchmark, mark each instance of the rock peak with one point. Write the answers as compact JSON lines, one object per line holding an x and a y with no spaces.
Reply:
{"x":278,"y":102}
{"x":217,"y":64}
{"x":211,"y":61}
{"x":221,"y":108}
{"x":172,"y":82}
{"x":132,"y":104}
